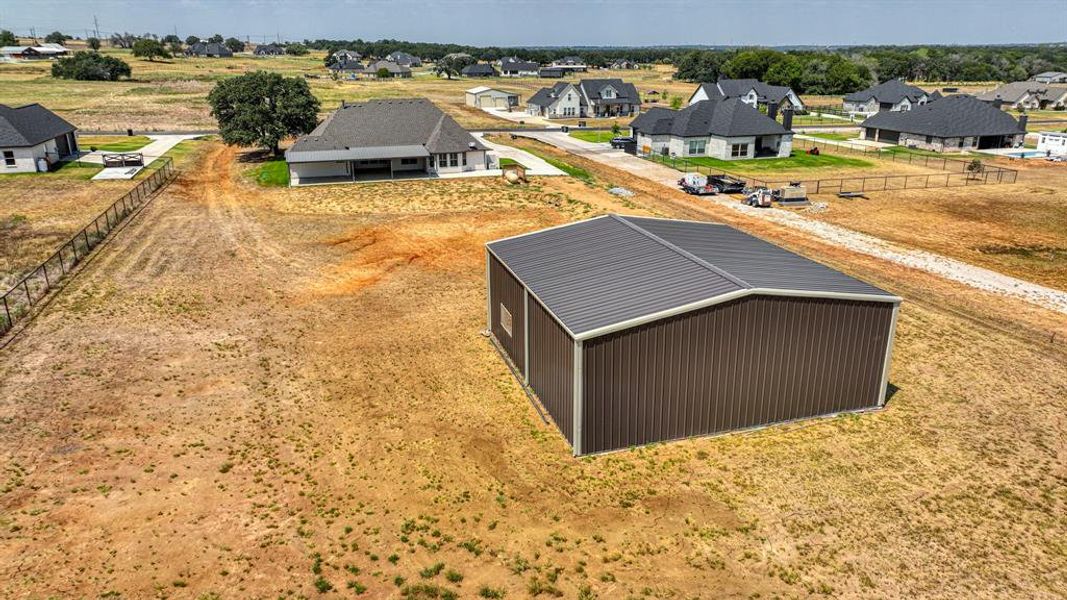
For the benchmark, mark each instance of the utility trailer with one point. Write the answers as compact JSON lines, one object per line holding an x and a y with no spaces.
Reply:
{"x":697,"y":185}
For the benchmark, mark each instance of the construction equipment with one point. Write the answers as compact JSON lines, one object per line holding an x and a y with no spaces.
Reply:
{"x":696,"y":184}
{"x":794,"y":194}
{"x":725,"y":184}
{"x":759,"y":197}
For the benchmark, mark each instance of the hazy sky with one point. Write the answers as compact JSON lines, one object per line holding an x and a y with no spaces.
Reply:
{"x":559,"y":22}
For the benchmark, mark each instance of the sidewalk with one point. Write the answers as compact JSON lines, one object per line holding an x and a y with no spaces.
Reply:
{"x":160,"y":145}
{"x":534,"y":164}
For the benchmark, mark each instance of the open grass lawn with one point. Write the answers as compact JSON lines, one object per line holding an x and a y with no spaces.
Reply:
{"x":829,"y":135}
{"x":271,"y":173}
{"x":798,"y":160}
{"x":259,"y":389}
{"x":595,"y":137}
{"x":113,"y":143}
{"x":504,"y":162}
{"x":72,"y":169}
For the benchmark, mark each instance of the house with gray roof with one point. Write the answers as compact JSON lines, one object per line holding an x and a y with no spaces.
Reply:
{"x":511,"y":66}
{"x":394,"y":69}
{"x":751,"y":91}
{"x":951,"y":124}
{"x":1027,"y":95}
{"x":384,"y":139}
{"x":350,"y":69}
{"x":888,"y":95}
{"x":270,"y":49}
{"x":571,"y":64}
{"x":479,"y":70}
{"x":404,"y":59}
{"x":209,"y":50}
{"x":587,"y":98}
{"x":1050,"y":77}
{"x":725,"y":128}
{"x":33,"y":138}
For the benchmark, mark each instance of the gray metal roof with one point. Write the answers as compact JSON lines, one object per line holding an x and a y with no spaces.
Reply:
{"x":722,"y":117}
{"x":955,"y":116}
{"x":614,"y":272}
{"x":29,"y":125}
{"x":376,"y":124}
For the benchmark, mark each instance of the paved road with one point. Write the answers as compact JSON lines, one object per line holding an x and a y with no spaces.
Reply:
{"x":959,"y":271}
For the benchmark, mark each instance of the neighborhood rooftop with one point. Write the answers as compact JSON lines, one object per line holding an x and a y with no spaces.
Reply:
{"x":613,"y":269}
{"x":360,"y":130}
{"x":29,"y":125}
{"x":892,"y":91}
{"x":954,"y":116}
{"x":725,"y":118}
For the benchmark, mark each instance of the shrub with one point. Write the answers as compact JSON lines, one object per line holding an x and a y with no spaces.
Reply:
{"x":90,"y":66}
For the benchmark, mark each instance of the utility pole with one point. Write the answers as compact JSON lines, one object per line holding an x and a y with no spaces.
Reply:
{"x":96,"y":27}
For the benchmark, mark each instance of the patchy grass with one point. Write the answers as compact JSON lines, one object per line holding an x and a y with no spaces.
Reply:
{"x":73,"y":169}
{"x":799,"y":160}
{"x":113,"y":143}
{"x":504,"y":162}
{"x":595,"y":137}
{"x":829,"y":135}
{"x":566,"y":167}
{"x":272,"y":173}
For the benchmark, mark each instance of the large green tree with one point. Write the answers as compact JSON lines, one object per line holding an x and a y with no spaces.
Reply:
{"x":262,"y":109}
{"x":235,"y":45}
{"x":56,"y":37}
{"x":189,"y":41}
{"x":8,"y":39}
{"x":452,"y":64}
{"x":150,"y":49}
{"x":90,"y":66}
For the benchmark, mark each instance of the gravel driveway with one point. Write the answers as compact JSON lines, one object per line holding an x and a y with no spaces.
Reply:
{"x":955,"y":270}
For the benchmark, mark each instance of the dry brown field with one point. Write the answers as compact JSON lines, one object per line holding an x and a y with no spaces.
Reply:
{"x":256,"y":393}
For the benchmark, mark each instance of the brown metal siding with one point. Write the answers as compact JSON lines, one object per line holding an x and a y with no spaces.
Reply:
{"x":552,"y":367}
{"x":505,"y":289}
{"x":750,"y":362}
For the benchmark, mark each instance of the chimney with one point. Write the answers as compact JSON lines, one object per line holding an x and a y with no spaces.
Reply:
{"x":998,"y":103}
{"x":343,"y":105}
{"x":1022,"y":122}
{"x":772,"y":110}
{"x":787,"y":118}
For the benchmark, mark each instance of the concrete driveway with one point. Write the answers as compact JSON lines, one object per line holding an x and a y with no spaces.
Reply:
{"x":534,"y":164}
{"x":519,"y":115}
{"x":604,"y":153}
{"x":160,"y":145}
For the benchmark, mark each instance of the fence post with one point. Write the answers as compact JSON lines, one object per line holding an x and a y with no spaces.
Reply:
{"x":26,"y":288}
{"x":44,"y":268}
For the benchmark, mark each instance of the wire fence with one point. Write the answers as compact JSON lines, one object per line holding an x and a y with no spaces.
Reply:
{"x":16,"y":302}
{"x":956,"y":172}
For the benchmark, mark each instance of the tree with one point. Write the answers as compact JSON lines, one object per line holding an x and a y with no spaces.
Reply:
{"x":90,"y":66}
{"x":150,"y":49}
{"x":974,"y":168}
{"x":215,"y":39}
{"x":452,"y":64}
{"x":189,"y":41}
{"x":94,"y":43}
{"x":295,"y":49}
{"x":261,"y":109}
{"x":171,"y":39}
{"x":676,"y":102}
{"x":56,"y":37}
{"x":235,"y":45}
{"x":8,"y":39}
{"x":615,"y":129}
{"x":384,"y":73}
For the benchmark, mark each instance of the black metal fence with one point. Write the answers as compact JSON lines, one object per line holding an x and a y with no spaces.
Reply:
{"x":17,"y":301}
{"x":957,"y":172}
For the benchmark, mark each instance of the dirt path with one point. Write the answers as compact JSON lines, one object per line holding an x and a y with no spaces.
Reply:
{"x":955,"y":270}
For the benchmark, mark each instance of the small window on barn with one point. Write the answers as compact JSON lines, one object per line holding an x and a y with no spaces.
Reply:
{"x":9,"y":158}
{"x":505,"y":319}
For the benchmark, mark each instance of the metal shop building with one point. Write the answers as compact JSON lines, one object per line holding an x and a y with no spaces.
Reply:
{"x":634,"y":330}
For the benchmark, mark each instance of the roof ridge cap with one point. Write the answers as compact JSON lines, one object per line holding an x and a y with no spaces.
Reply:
{"x":681,"y":252}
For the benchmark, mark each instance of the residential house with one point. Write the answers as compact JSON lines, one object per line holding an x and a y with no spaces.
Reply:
{"x":394,"y":69}
{"x":723,"y":128}
{"x":33,"y":138}
{"x":209,"y":49}
{"x":384,"y":139}
{"x":349,"y":55}
{"x":514,"y":67}
{"x":404,"y":59}
{"x":590,"y":98}
{"x":1050,"y":77}
{"x":952,"y":124}
{"x":751,"y":91}
{"x":42,"y":52}
{"x":551,"y":73}
{"x":888,"y":95}
{"x":1027,"y":95}
{"x":624,"y":64}
{"x":1052,"y":143}
{"x":487,"y":97}
{"x":479,"y":70}
{"x":350,"y":69}
{"x":270,"y":49}
{"x":571,"y":64}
